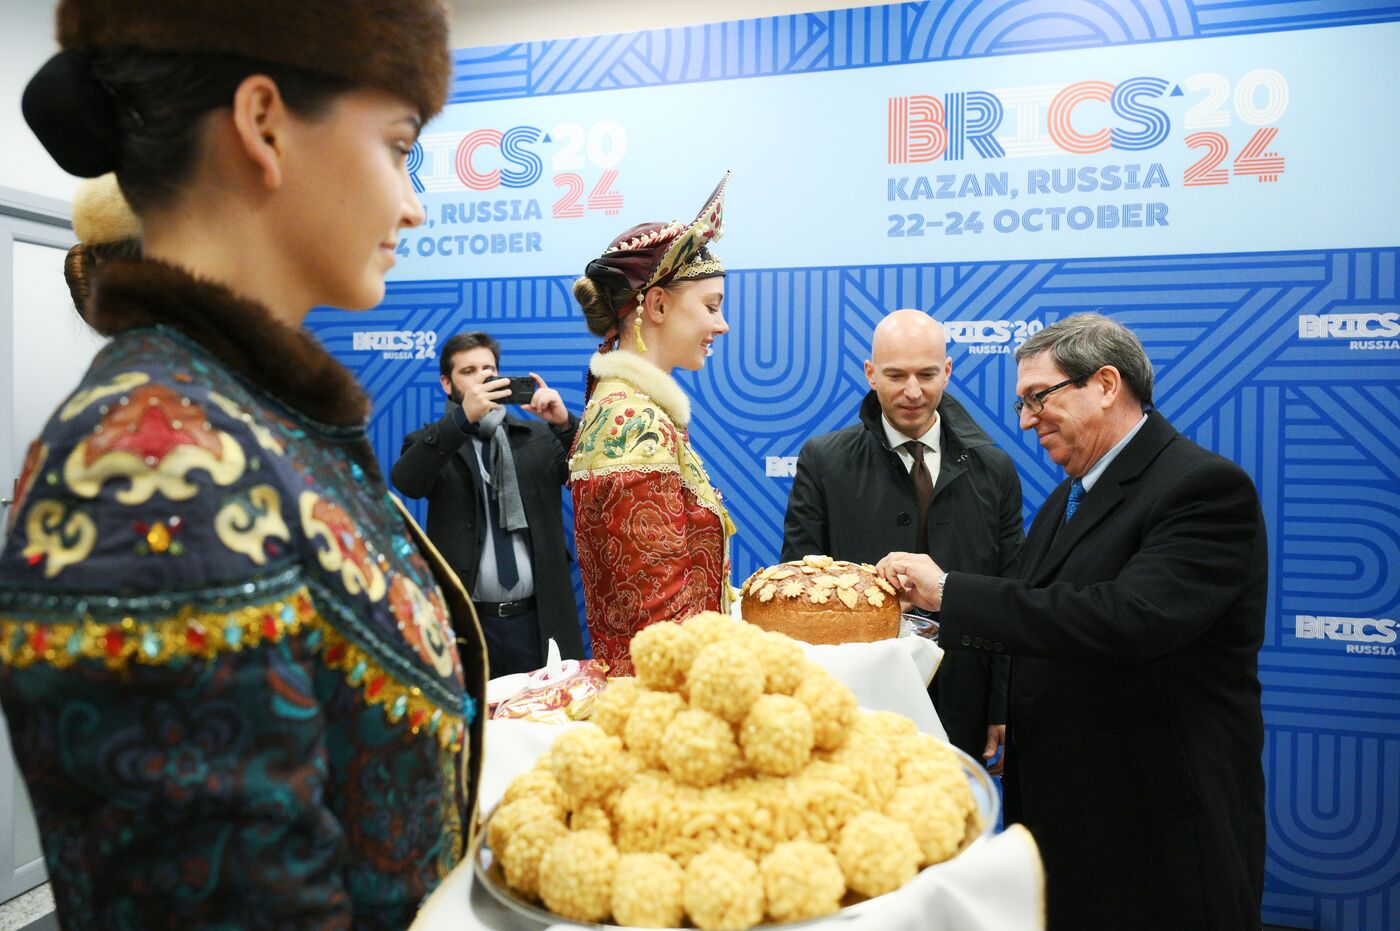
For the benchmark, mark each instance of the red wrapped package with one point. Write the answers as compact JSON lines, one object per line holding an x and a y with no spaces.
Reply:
{"x":558,"y":694}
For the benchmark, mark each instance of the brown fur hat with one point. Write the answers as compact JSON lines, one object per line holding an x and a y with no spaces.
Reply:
{"x":395,"y":45}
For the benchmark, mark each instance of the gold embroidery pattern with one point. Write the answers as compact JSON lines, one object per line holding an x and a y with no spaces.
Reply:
{"x":345,"y":550}
{"x":262,"y":434}
{"x":84,"y":399}
{"x":422,"y":622}
{"x":453,"y":846}
{"x":400,"y":702}
{"x":244,"y":525}
{"x":57,"y":537}
{"x":706,"y":268}
{"x":153,"y":438}
{"x":191,"y":634}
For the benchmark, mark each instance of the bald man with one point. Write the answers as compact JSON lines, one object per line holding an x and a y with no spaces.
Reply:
{"x":858,"y":495}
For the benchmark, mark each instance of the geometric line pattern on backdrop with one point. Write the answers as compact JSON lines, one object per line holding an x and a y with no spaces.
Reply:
{"x":870,"y":36}
{"x":1312,"y":422}
{"x":1331,"y":825}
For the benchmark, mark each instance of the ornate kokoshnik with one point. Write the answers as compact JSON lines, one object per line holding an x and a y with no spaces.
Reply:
{"x":684,"y":257}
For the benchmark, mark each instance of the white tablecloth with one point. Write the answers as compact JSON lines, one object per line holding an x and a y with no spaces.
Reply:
{"x":995,"y":885}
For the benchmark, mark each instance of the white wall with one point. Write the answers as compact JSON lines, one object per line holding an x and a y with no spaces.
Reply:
{"x":500,"y":22}
{"x":26,"y":42}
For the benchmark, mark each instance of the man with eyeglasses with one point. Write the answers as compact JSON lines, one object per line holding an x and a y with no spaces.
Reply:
{"x":917,"y":472}
{"x":1134,"y":726}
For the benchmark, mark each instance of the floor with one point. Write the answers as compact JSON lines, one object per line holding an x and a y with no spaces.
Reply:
{"x":32,"y":911}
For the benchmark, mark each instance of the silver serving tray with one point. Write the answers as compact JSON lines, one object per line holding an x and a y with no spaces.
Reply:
{"x":492,"y":877}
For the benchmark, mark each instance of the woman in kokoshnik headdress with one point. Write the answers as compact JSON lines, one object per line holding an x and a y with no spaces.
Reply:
{"x":652,"y":532}
{"x":227,"y":660}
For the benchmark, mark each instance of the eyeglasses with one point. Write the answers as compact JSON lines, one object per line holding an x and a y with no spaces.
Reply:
{"x":1035,"y":401}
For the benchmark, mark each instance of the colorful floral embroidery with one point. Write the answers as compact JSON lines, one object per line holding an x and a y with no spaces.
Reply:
{"x":249,"y":523}
{"x":423,"y":622}
{"x":57,"y":537}
{"x":120,"y":384}
{"x":153,"y":438}
{"x":399,"y":702}
{"x":345,"y":550}
{"x":191,"y":634}
{"x":33,"y":462}
{"x":617,"y":432}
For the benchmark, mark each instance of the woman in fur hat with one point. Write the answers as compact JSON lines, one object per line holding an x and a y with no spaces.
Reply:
{"x":652,"y":532}
{"x":226,"y":657}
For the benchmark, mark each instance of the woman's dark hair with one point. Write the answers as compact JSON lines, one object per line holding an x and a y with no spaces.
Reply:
{"x":84,"y":263}
{"x":461,"y":343}
{"x":160,"y":99}
{"x":604,"y":301}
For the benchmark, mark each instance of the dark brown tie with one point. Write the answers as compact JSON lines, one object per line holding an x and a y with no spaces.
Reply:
{"x":923,"y":487}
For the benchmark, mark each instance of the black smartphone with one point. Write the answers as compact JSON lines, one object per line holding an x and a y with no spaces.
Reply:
{"x":522,"y":389}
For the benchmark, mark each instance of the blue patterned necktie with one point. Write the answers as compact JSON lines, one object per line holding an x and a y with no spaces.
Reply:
{"x":1076,"y":491}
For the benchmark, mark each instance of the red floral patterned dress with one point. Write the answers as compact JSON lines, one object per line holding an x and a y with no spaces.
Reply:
{"x":652,"y":533}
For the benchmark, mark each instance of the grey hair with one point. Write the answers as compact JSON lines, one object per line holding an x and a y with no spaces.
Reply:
{"x":1084,"y":343}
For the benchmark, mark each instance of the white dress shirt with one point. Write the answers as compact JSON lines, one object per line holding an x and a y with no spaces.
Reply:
{"x":1093,"y":474}
{"x":488,"y":580}
{"x":933,"y":458}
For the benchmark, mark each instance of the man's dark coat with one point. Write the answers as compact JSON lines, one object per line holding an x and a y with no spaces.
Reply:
{"x":1134,"y":718}
{"x":438,"y":463}
{"x":853,"y":499}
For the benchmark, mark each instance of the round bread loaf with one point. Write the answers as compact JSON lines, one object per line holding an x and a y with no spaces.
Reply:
{"x":821,"y":600}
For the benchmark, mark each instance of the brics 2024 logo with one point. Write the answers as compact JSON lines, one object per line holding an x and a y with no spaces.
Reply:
{"x":1364,"y":635}
{"x":396,"y":344}
{"x":1361,"y":330}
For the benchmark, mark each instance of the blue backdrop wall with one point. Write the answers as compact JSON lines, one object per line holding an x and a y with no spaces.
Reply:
{"x":992,"y":163}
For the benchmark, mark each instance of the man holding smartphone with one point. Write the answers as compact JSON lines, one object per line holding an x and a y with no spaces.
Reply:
{"x":493,"y":487}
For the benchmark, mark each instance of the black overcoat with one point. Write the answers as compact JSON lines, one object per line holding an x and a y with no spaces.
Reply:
{"x":1134,"y":717}
{"x":853,"y":499}
{"x":437,"y":463}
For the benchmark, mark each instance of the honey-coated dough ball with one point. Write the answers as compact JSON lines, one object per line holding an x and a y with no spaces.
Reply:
{"x":611,"y":709}
{"x":662,"y":654}
{"x":723,"y":891}
{"x":647,"y":890}
{"x":525,"y":849}
{"x":698,"y":748}
{"x":801,"y":879}
{"x":709,"y":627}
{"x":587,"y":763}
{"x":824,"y":805}
{"x":590,"y":816}
{"x":725,"y":680}
{"x":832,"y":704}
{"x":777,"y":736}
{"x":512,"y":815}
{"x":885,"y":724}
{"x":935,"y":818}
{"x":784,"y":664}
{"x":651,"y":712}
{"x":877,"y":854}
{"x":540,"y":784}
{"x":576,"y":876}
{"x":866,"y":765}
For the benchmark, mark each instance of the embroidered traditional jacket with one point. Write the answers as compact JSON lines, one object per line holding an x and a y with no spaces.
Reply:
{"x":226,"y":656}
{"x":652,"y":533}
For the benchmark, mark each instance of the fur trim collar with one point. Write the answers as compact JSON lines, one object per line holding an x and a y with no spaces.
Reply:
{"x":291,"y":365}
{"x":646,"y":378}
